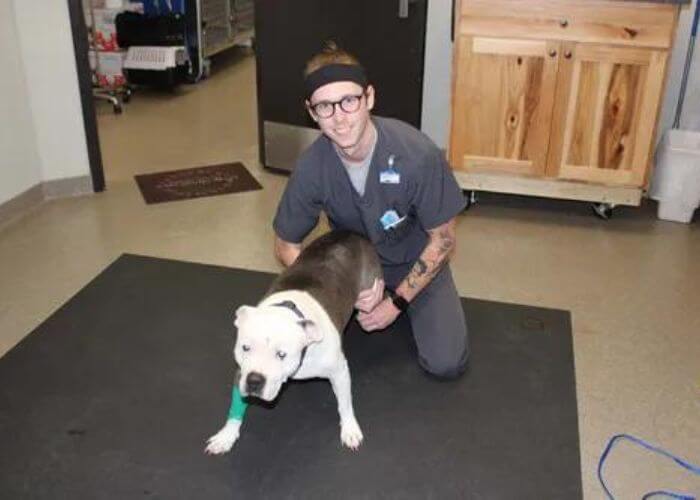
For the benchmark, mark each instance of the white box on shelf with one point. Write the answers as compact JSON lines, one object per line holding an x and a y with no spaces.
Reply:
{"x":106,"y":29}
{"x":109,"y":71}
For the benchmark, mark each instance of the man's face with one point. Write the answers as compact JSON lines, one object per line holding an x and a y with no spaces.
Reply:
{"x":345,"y":129}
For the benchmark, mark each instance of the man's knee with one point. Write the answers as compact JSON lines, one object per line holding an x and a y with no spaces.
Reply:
{"x":445,"y":367}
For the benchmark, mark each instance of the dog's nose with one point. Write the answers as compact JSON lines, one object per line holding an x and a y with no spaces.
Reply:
{"x":254,"y":383}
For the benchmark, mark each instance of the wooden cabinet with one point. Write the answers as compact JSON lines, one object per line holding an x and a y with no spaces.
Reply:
{"x":558,"y":97}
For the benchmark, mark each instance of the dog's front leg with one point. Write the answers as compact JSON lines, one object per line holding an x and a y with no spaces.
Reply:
{"x":350,"y":433}
{"x":223,"y":441}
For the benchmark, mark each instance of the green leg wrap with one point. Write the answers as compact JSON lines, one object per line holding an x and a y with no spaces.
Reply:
{"x":238,"y":406}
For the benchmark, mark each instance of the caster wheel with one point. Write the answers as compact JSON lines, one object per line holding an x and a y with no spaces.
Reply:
{"x":117,"y":109}
{"x":603,"y":210}
{"x":471,"y":199}
{"x":206,"y":69}
{"x":127,"y":96}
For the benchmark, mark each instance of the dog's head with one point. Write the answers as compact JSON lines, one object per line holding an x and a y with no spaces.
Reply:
{"x":269,"y":347}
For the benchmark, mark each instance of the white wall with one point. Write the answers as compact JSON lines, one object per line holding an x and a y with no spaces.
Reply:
{"x":673,"y":85}
{"x":690,"y":119}
{"x":19,"y":158}
{"x":52,"y":85}
{"x":437,"y":72}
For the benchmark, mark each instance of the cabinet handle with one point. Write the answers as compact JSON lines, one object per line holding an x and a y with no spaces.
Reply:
{"x":563,"y":23}
{"x":403,"y":9}
{"x":568,"y":54}
{"x":552,"y":53}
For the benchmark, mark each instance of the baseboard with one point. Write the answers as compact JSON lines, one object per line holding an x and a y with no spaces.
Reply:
{"x":33,"y":197}
{"x":21,"y":204}
{"x":64,"y":188}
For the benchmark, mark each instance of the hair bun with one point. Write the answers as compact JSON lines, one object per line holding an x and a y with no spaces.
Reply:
{"x":330,"y":46}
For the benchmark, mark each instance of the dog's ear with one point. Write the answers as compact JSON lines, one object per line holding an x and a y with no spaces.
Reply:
{"x":312,"y":331}
{"x":241,"y":314}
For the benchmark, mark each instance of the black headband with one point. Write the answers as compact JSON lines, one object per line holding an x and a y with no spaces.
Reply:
{"x":335,"y":73}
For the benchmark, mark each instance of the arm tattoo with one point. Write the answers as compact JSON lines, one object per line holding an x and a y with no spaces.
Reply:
{"x":418,"y":270}
{"x":446,"y":242}
{"x":439,"y":265}
{"x":442,"y":244}
{"x":427,"y":267}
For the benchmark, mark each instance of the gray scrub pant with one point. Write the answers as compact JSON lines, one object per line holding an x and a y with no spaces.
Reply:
{"x":439,"y":327}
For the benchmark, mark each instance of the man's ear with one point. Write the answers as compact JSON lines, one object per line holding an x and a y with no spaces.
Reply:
{"x":312,"y":331}
{"x":370,"y":97}
{"x":310,"y":111}
{"x":241,"y":313}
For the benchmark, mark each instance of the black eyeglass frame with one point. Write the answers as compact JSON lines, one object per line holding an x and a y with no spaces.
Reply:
{"x":339,"y":102}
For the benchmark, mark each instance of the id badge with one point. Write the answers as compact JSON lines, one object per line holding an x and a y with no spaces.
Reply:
{"x":390,"y":219}
{"x":389,"y":177}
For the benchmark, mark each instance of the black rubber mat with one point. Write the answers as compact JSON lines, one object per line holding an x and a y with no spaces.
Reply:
{"x":114,"y":395}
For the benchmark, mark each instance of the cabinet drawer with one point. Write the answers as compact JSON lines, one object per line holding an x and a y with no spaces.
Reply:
{"x":600,"y":21}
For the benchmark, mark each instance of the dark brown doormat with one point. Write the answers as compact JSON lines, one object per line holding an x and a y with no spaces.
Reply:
{"x":196,"y":182}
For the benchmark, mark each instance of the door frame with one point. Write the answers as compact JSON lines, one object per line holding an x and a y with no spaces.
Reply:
{"x":82,"y":63}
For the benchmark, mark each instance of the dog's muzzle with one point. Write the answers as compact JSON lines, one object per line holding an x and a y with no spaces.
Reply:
{"x":254,"y":383}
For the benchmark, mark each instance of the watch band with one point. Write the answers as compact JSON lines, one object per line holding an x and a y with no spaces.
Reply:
{"x":399,"y":302}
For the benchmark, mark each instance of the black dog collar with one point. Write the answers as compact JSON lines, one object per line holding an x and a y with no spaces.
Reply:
{"x":335,"y":73}
{"x":292,"y":307}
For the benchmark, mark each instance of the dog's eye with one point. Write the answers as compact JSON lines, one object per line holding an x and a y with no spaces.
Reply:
{"x":245,"y":348}
{"x":281,"y":354}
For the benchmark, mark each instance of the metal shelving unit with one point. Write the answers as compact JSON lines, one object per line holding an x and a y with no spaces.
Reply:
{"x":118,"y":94}
{"x":225,"y":23}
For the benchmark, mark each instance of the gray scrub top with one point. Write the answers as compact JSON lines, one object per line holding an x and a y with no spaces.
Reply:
{"x":419,"y":188}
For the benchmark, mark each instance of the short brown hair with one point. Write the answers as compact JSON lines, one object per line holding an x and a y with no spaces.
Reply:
{"x":330,"y":54}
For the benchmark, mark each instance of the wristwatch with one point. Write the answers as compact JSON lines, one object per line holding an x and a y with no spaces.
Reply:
{"x":399,"y":302}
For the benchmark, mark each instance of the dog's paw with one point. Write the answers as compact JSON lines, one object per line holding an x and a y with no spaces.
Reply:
{"x":223,"y":441}
{"x":350,"y":434}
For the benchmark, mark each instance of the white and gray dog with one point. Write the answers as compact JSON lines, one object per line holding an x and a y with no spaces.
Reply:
{"x":295,"y":332}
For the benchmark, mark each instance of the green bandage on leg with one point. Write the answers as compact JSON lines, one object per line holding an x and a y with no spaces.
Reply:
{"x":238,"y":406}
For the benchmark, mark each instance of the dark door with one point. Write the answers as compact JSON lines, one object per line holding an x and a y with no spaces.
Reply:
{"x":387,"y":36}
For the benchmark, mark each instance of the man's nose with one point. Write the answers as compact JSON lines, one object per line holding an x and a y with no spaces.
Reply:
{"x":339,"y":115}
{"x":254,"y":383}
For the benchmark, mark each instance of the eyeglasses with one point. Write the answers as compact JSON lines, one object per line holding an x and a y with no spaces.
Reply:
{"x":348,"y":103}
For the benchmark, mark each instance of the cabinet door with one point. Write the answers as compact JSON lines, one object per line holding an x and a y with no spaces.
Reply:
{"x":605,"y":113}
{"x":503,"y":93}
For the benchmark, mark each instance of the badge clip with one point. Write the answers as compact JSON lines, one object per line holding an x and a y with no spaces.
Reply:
{"x":389,"y":175}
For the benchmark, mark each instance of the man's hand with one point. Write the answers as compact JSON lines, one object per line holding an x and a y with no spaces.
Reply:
{"x":368,"y":299}
{"x":286,"y":252}
{"x":381,"y":316}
